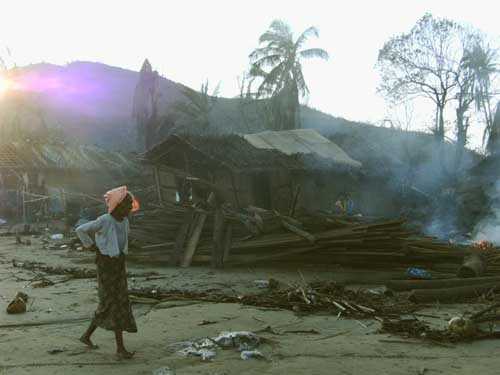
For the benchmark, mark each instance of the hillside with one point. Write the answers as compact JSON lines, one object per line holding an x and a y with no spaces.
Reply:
{"x":92,"y":102}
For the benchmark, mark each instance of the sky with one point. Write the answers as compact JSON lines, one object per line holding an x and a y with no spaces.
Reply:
{"x":191,"y":41}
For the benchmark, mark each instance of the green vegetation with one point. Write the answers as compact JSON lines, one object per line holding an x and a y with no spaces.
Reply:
{"x":278,"y":67}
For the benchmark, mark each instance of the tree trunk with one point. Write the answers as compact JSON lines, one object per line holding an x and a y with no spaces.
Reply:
{"x":441,"y":122}
{"x":461,"y":138}
{"x":493,"y":145}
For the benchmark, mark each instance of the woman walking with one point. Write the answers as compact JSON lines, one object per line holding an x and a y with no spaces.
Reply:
{"x":108,"y":235}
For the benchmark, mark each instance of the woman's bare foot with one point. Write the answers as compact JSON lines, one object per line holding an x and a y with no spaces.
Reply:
{"x":123,"y":354}
{"x":87,"y":342}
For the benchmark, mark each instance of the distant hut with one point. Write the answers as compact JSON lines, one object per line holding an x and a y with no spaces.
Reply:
{"x":44,"y":178}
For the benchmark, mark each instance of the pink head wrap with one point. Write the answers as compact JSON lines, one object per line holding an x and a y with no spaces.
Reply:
{"x":115,"y":196}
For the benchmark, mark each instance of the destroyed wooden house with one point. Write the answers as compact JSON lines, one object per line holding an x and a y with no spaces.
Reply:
{"x":272,"y":170}
{"x":37,"y":177}
{"x":233,"y":200}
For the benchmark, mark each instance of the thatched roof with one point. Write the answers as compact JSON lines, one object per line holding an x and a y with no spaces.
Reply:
{"x":61,"y":157}
{"x":240,"y":153}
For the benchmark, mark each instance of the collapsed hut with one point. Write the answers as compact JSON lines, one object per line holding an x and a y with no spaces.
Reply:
{"x":40,"y":179}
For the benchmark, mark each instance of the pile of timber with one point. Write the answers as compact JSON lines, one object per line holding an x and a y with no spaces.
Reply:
{"x":446,"y":290}
{"x":181,"y":235}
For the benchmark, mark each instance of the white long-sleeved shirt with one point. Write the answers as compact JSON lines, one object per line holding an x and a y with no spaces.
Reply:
{"x":102,"y":231}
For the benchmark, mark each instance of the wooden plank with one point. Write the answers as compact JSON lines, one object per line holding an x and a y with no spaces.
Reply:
{"x":199,"y":222}
{"x":452,"y":294}
{"x":218,"y":238}
{"x":158,"y":185}
{"x":275,"y":255}
{"x":302,"y":233}
{"x":404,"y":285}
{"x":180,"y":239}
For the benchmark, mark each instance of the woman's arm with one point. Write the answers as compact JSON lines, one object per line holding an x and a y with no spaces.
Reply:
{"x":86,"y":232}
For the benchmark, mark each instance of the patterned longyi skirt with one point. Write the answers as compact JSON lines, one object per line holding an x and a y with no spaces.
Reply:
{"x":113,"y":312}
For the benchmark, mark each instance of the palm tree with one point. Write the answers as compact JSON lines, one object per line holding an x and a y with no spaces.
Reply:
{"x":483,"y":61}
{"x":284,"y":82}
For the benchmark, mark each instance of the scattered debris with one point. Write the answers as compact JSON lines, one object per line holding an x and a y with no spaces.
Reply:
{"x":206,"y":322}
{"x":247,"y":354}
{"x":271,"y":283}
{"x":205,"y":354}
{"x":241,"y":340}
{"x":308,"y":331}
{"x":18,"y":305}
{"x":418,"y":273}
{"x":461,"y":326}
{"x":205,"y":348}
{"x":56,"y":351}
{"x":73,"y":272}
{"x":306,"y":298}
{"x":164,"y":371}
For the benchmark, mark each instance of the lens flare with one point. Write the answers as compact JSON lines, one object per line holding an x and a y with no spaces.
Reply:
{"x":7,"y":84}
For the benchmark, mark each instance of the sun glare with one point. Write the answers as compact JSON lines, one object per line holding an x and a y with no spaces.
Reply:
{"x":5,"y":85}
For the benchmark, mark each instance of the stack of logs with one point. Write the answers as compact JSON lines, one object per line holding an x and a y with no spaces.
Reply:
{"x":180,"y":235}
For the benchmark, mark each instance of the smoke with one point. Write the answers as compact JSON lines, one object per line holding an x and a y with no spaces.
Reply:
{"x":488,"y":228}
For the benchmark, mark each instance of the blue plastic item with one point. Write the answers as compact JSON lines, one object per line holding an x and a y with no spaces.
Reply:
{"x":418,"y":272}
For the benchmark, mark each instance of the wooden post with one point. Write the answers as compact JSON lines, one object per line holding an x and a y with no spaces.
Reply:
{"x":235,"y":191}
{"x":24,"y":203}
{"x":218,"y":246}
{"x":175,"y":258}
{"x":158,"y":185}
{"x":228,"y":241}
{"x":294,"y":201}
{"x":199,"y":222}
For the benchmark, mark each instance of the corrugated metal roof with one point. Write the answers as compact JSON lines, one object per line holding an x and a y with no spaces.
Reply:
{"x":301,"y":141}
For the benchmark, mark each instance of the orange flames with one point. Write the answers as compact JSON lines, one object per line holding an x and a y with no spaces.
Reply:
{"x":484,"y":245}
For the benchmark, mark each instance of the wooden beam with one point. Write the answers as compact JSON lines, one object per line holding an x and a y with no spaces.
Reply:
{"x":404,"y":285}
{"x":180,"y":239}
{"x":234,"y":189}
{"x":199,"y":222}
{"x":218,"y":245}
{"x":302,"y":233}
{"x":228,"y":240}
{"x":452,"y":294}
{"x":158,"y":185}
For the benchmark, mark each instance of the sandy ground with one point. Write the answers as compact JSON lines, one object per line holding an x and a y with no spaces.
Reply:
{"x":359,"y":350}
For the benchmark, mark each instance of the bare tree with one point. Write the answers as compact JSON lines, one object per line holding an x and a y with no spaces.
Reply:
{"x":422,"y":63}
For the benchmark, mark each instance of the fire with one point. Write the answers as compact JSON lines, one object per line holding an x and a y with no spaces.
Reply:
{"x":484,"y":245}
